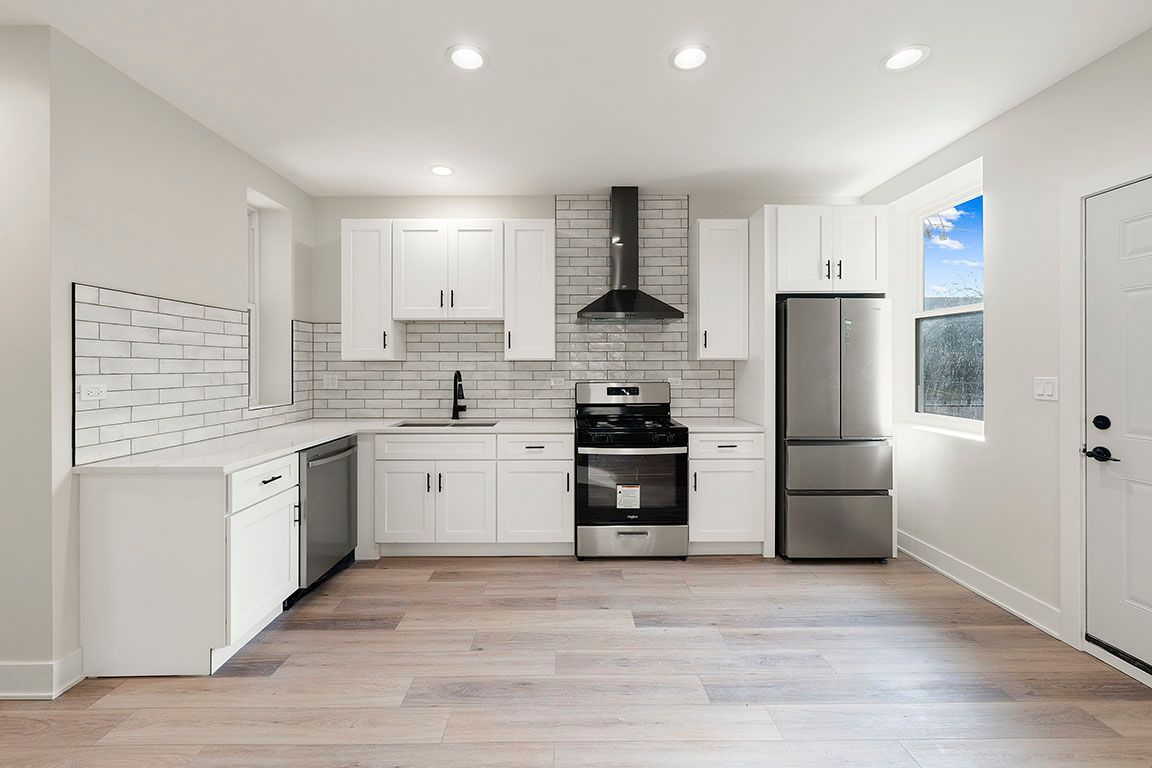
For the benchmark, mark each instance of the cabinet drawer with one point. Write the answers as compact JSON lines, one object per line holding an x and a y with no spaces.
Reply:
{"x":732,"y":446}
{"x":262,"y":481}
{"x":437,"y":447}
{"x":535,"y":447}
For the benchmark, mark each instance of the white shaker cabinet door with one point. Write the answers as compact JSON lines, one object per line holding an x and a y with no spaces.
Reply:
{"x":263,"y":557}
{"x":476,"y":269}
{"x":419,"y":269}
{"x":536,"y":501}
{"x":367,"y":330}
{"x":804,"y":249}
{"x":719,"y":290}
{"x":726,"y":500}
{"x":465,"y":501}
{"x":530,"y":289}
{"x":405,"y":501}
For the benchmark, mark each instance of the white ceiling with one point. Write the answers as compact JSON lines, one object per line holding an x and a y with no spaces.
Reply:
{"x":356,"y":97}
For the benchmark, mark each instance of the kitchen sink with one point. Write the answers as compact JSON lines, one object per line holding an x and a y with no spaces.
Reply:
{"x":447,"y":423}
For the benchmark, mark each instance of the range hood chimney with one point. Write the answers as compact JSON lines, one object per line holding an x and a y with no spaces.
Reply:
{"x":626,"y":301}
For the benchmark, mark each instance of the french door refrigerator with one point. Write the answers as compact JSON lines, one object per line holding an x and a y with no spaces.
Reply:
{"x":834,"y":477}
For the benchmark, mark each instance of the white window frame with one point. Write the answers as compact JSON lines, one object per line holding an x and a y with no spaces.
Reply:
{"x":957,"y":187}
{"x":253,"y":302}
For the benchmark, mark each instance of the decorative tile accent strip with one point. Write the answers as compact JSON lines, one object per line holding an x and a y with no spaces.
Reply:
{"x":495,"y":388}
{"x":174,"y":372}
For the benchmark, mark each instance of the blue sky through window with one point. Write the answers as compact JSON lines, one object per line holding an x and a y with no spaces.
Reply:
{"x":954,"y":255}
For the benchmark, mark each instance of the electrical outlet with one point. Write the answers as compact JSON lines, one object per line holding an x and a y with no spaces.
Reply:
{"x":90,"y":392}
{"x":329,"y":381}
{"x":674,"y":381}
{"x":1046,"y":388}
{"x":556,"y":381}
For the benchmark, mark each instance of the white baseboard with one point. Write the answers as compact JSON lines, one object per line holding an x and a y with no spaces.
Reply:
{"x":726,"y":548}
{"x":1029,"y":608}
{"x":557,"y":549}
{"x":40,"y":679}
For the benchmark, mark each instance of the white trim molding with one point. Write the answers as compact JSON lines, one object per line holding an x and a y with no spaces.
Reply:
{"x":40,"y":680}
{"x":1017,"y":602}
{"x":1073,"y":583}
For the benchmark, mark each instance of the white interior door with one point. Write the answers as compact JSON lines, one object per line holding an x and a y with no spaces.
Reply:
{"x":1118,"y":387}
{"x":476,"y":270}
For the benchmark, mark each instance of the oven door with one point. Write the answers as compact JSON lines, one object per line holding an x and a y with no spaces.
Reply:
{"x":632,"y":486}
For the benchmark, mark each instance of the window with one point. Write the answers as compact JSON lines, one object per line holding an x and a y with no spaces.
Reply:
{"x":271,"y":290}
{"x":950,"y":320}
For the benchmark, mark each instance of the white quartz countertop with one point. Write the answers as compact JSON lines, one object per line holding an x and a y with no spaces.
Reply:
{"x":236,"y":452}
{"x":706,"y":425}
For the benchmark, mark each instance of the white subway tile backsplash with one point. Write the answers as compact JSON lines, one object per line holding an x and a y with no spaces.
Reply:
{"x":166,"y":384}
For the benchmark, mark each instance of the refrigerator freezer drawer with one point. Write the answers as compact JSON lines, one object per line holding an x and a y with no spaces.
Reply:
{"x":837,"y":526}
{"x":845,"y":466}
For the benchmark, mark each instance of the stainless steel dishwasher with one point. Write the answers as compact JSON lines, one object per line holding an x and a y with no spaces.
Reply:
{"x":327,"y":508}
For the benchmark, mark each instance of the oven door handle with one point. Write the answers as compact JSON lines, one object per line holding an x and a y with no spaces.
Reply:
{"x":630,"y":451}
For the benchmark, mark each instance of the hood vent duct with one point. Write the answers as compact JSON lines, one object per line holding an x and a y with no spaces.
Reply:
{"x":626,"y":301}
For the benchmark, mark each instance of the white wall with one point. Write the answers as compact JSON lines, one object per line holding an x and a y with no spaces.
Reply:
{"x":25,"y":271}
{"x":330,"y":210}
{"x":989,"y":510}
{"x":142,"y":198}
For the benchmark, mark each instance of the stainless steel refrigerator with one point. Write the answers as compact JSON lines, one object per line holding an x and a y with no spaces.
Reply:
{"x":834,"y":476}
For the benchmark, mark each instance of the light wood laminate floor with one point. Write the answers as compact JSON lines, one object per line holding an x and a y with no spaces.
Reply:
{"x":549,"y":663}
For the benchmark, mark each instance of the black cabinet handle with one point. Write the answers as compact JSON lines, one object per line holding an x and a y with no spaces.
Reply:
{"x":439,"y":482}
{"x":839,"y":270}
{"x":567,"y":482}
{"x":705,"y":339}
{"x":694,"y":481}
{"x":828,"y":269}
{"x":441,"y":298}
{"x":452,"y":298}
{"x":509,"y":339}
{"x":429,"y":488}
{"x":272,"y":479}
{"x":533,"y":447}
{"x":727,"y":446}
{"x":385,"y":339}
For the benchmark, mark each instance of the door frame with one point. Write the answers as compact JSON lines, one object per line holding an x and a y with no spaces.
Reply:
{"x":1072,"y":466}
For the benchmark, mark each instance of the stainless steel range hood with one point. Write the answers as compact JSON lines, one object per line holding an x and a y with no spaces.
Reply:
{"x":626,"y":301}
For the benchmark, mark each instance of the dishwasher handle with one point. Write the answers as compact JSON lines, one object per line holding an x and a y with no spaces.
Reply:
{"x":329,"y":459}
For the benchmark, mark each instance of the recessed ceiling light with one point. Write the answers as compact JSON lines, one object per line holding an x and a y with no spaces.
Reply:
{"x":906,"y":57}
{"x":467,"y":57}
{"x":688,"y":57}
{"x":441,"y":170}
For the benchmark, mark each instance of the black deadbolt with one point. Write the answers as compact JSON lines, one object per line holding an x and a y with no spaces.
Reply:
{"x":1101,"y":422}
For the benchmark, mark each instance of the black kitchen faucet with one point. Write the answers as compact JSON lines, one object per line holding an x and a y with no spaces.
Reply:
{"x":457,"y":395}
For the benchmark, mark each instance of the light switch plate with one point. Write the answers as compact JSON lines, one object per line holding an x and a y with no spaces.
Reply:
{"x":89,"y":392}
{"x":1046,"y":388}
{"x":329,"y":381}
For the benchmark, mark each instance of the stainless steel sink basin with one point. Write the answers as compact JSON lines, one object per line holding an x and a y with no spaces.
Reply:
{"x":447,"y":423}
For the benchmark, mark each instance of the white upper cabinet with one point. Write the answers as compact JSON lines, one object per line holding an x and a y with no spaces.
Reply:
{"x":831,"y":249}
{"x":860,"y":235}
{"x":368,"y":331}
{"x":530,"y":289}
{"x":419,"y":269}
{"x":718,"y":290}
{"x":476,"y":269}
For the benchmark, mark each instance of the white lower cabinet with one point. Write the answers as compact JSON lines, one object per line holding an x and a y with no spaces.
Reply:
{"x":263,"y":561}
{"x":536,"y":501}
{"x":405,"y":501}
{"x":466,"y":501}
{"x":435,"y":501}
{"x":726,"y":500}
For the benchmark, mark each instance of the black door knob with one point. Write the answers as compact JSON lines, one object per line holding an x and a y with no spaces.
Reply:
{"x":1100,"y":453}
{"x":1101,"y":422}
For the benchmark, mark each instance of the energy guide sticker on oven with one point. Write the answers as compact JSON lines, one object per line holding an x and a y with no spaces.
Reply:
{"x":627,"y":497}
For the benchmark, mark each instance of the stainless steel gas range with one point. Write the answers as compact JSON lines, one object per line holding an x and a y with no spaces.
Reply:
{"x":631,"y":472}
